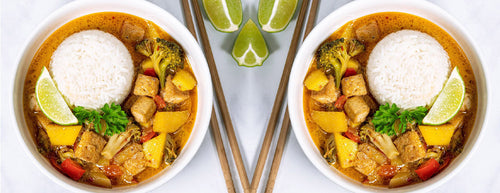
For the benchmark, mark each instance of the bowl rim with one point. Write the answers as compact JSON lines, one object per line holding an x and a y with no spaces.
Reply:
{"x":361,"y":8}
{"x":142,"y":9}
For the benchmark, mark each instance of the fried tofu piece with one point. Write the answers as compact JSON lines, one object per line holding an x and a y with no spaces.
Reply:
{"x":356,"y":109}
{"x":328,"y":94}
{"x":171,"y":94}
{"x":90,"y":146}
{"x":131,"y":32}
{"x":143,"y":109}
{"x":146,"y":85}
{"x":373,"y":153}
{"x":410,"y":147}
{"x":368,"y":32}
{"x":131,"y":158}
{"x":371,"y":103}
{"x":354,"y":86}
{"x":364,"y":164}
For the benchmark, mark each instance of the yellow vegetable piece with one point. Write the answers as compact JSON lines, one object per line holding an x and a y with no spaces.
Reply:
{"x":153,"y":150}
{"x":147,"y":63}
{"x":169,"y":122}
{"x":346,"y":150}
{"x":354,"y":64}
{"x":441,"y":134}
{"x":183,"y":80}
{"x":330,"y":121}
{"x":59,"y":134}
{"x":316,"y":80}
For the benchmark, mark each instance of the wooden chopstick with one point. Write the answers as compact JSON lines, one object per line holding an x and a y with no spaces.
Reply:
{"x":278,"y":100}
{"x":226,"y":118}
{"x":278,"y":154}
{"x":214,"y":124}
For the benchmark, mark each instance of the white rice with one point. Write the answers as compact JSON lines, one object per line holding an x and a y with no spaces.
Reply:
{"x":407,"y":68}
{"x":92,"y":68}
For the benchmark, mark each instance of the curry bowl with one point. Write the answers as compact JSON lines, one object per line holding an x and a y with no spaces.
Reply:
{"x":164,"y":21}
{"x":325,"y":31}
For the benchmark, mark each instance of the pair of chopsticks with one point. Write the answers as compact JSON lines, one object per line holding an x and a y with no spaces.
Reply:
{"x":277,"y":105}
{"x":222,"y":104}
{"x":225,"y":113}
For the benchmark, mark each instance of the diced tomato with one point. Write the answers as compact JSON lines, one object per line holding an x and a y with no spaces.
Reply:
{"x":113,"y":171}
{"x":428,"y":169}
{"x":339,"y":104}
{"x":53,"y":161}
{"x":148,"y":136}
{"x":160,"y":103}
{"x":72,"y":169}
{"x":150,"y":72}
{"x":349,"y":72}
{"x":387,"y":171}
{"x":352,"y":136}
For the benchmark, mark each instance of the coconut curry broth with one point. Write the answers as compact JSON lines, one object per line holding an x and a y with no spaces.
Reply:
{"x":389,"y":22}
{"x":110,"y":22}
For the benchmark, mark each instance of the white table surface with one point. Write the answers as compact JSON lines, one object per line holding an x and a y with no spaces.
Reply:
{"x":250,"y":94}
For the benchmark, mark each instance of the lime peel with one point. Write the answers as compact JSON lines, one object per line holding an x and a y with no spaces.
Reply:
{"x":448,"y":102}
{"x":51,"y":102}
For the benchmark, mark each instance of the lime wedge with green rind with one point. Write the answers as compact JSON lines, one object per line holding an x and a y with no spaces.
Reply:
{"x":448,"y":102}
{"x":250,"y":48}
{"x":275,"y":15}
{"x":225,"y":15}
{"x":51,"y":101}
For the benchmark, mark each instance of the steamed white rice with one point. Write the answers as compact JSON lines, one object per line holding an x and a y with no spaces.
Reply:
{"x":407,"y":68}
{"x":92,"y":68}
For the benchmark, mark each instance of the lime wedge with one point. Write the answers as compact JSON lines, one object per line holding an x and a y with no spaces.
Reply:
{"x":225,"y":15}
{"x":250,"y":48}
{"x":448,"y":102}
{"x":274,"y":15}
{"x":51,"y":101}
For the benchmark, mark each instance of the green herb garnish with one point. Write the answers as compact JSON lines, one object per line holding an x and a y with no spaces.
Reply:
{"x":115,"y":118}
{"x":387,"y":115}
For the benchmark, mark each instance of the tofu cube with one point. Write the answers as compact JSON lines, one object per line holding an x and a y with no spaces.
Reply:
{"x":356,"y":109}
{"x":90,"y":146}
{"x":354,"y":86}
{"x":146,"y":85}
{"x":410,"y":147}
{"x":143,"y":109}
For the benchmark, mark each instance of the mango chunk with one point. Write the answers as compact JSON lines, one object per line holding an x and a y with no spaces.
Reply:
{"x":59,"y":134}
{"x":346,"y":150}
{"x":330,"y":121}
{"x":183,"y":80}
{"x":169,"y":122}
{"x":441,"y":134}
{"x":153,"y":150}
{"x":316,"y":80}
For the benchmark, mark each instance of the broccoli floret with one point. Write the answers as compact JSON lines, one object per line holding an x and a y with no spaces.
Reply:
{"x":167,"y":56}
{"x":333,"y":56}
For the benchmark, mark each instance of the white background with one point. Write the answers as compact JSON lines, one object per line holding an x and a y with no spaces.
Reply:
{"x":250,"y":94}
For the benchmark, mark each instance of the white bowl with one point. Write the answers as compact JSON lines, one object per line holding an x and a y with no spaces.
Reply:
{"x":142,"y":9}
{"x":358,"y":9}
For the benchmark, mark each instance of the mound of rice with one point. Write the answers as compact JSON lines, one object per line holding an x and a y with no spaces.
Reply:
{"x":92,"y":68}
{"x":407,"y":68}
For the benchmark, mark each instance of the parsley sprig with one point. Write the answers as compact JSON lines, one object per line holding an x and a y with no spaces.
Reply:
{"x":387,"y":115}
{"x":115,"y":118}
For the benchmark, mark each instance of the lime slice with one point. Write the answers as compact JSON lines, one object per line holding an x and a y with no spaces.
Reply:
{"x":51,"y":101}
{"x":250,"y":48}
{"x":448,"y":102}
{"x":274,"y":15}
{"x":225,"y":15}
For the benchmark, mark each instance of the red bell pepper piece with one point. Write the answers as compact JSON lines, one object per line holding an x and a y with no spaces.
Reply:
{"x":428,"y":169}
{"x":150,"y":72}
{"x":349,"y":72}
{"x":352,"y":136}
{"x":148,"y":136}
{"x":339,"y":104}
{"x":160,"y":103}
{"x":72,"y":169}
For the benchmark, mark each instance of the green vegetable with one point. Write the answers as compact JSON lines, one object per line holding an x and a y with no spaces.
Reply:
{"x":166,"y":56}
{"x":387,"y":115}
{"x":115,"y":118}
{"x":333,"y":56}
